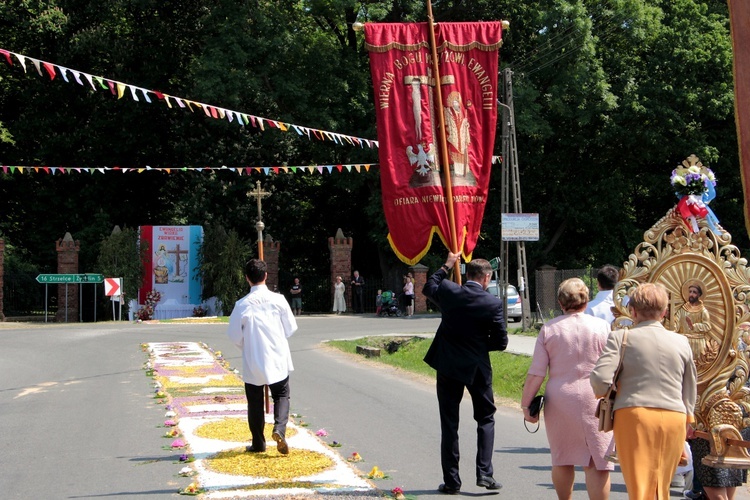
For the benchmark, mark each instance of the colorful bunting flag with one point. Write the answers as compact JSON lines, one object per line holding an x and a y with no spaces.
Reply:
{"x":118,"y":90}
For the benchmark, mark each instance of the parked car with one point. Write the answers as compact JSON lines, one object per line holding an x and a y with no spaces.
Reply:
{"x":514,"y":311}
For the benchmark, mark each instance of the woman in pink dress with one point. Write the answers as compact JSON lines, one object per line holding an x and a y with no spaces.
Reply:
{"x":567,"y":350}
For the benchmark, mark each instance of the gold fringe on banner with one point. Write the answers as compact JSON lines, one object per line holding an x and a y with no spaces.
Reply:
{"x":396,"y":45}
{"x":442,"y":48}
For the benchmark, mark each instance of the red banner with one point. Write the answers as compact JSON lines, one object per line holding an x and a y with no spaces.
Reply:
{"x":739,"y":14}
{"x":410,"y":166}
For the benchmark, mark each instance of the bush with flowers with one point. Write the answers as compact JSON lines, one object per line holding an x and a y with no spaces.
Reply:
{"x":199,"y":312}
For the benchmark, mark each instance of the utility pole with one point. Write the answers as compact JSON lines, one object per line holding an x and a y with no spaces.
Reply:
{"x":510,"y":194}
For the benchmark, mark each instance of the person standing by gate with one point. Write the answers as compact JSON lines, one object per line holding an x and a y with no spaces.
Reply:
{"x":296,"y":292}
{"x":358,"y":288}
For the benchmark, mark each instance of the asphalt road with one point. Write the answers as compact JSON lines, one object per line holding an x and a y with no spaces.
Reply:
{"x":78,"y":420}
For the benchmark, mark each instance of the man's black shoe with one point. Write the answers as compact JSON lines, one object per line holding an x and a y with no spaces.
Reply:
{"x":489,"y":483}
{"x":249,"y":448}
{"x":281,"y":445}
{"x":448,"y":490}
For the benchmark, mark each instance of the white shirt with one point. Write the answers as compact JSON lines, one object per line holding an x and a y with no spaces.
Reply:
{"x":600,"y":306}
{"x":259,"y":325}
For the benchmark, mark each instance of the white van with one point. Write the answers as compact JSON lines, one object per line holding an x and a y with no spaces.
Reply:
{"x":514,"y":312}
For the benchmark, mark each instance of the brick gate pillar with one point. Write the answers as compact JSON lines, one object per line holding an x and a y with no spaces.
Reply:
{"x":340,"y":249}
{"x":271,"y":257}
{"x":67,"y":263}
{"x":2,"y":273}
{"x":420,"y":278}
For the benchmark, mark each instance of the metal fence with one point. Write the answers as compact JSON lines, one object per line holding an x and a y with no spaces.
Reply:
{"x":545,"y":290}
{"x":23,"y":296}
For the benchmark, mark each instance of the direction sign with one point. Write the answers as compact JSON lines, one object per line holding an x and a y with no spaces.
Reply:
{"x":112,"y":287}
{"x":69,"y":278}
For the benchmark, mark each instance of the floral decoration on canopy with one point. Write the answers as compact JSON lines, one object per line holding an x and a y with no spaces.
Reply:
{"x":695,"y":187}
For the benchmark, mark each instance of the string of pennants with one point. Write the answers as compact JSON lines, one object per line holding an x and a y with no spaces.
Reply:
{"x":119,"y":89}
{"x":310,"y":169}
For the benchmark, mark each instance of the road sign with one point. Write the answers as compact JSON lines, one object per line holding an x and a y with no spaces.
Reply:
{"x":112,"y":287}
{"x":520,"y":227}
{"x":495,"y":263}
{"x":69,"y":278}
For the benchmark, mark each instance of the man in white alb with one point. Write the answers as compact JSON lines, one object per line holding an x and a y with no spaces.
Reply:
{"x":601,"y":306}
{"x":260,"y":325}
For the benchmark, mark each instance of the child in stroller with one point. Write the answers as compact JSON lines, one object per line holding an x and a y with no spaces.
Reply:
{"x":389,"y":306}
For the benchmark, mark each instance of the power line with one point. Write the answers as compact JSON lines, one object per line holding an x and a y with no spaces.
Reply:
{"x":568,"y":42}
{"x":566,"y":35}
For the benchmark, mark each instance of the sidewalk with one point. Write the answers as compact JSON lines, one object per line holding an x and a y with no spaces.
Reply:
{"x":521,"y":344}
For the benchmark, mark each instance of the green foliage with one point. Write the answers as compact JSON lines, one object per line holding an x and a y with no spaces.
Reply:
{"x":18,"y":267}
{"x":508,"y":370}
{"x":609,"y":97}
{"x":222,"y":260}
{"x":121,"y":256}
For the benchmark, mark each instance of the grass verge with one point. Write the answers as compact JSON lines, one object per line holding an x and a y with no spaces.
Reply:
{"x":407,"y":353}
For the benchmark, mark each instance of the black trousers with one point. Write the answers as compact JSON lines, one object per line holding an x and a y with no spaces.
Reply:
{"x":256,"y":410}
{"x":357,"y":304}
{"x":449,"y":393}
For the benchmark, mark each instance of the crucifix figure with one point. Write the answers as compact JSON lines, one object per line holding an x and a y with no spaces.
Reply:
{"x":177,"y":254}
{"x":258,"y":194}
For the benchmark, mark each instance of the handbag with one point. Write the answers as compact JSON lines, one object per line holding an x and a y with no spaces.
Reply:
{"x":535,"y":408}
{"x":605,"y":407}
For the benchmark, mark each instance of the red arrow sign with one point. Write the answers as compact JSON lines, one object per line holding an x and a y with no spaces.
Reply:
{"x":111,"y":286}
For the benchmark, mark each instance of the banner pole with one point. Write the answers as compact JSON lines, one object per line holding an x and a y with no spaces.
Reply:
{"x":260,"y":226}
{"x":443,"y":145}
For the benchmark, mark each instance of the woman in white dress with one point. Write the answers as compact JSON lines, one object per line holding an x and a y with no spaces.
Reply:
{"x":339,"y":302}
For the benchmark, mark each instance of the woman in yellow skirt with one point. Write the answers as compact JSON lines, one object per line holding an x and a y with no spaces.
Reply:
{"x":655,"y":397}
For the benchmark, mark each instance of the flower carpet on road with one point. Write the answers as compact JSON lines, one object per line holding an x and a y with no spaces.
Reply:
{"x":206,"y":428}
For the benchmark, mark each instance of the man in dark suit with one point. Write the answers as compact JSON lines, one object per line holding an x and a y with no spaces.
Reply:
{"x":472,"y":325}
{"x":358,"y":285}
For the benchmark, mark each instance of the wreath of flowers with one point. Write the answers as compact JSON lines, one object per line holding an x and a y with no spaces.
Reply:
{"x":153,"y":297}
{"x":147,"y":311}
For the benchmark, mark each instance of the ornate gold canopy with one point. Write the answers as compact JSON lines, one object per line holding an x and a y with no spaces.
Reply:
{"x":715,"y":322}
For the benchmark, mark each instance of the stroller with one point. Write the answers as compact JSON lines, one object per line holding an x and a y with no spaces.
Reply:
{"x":389,"y":304}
